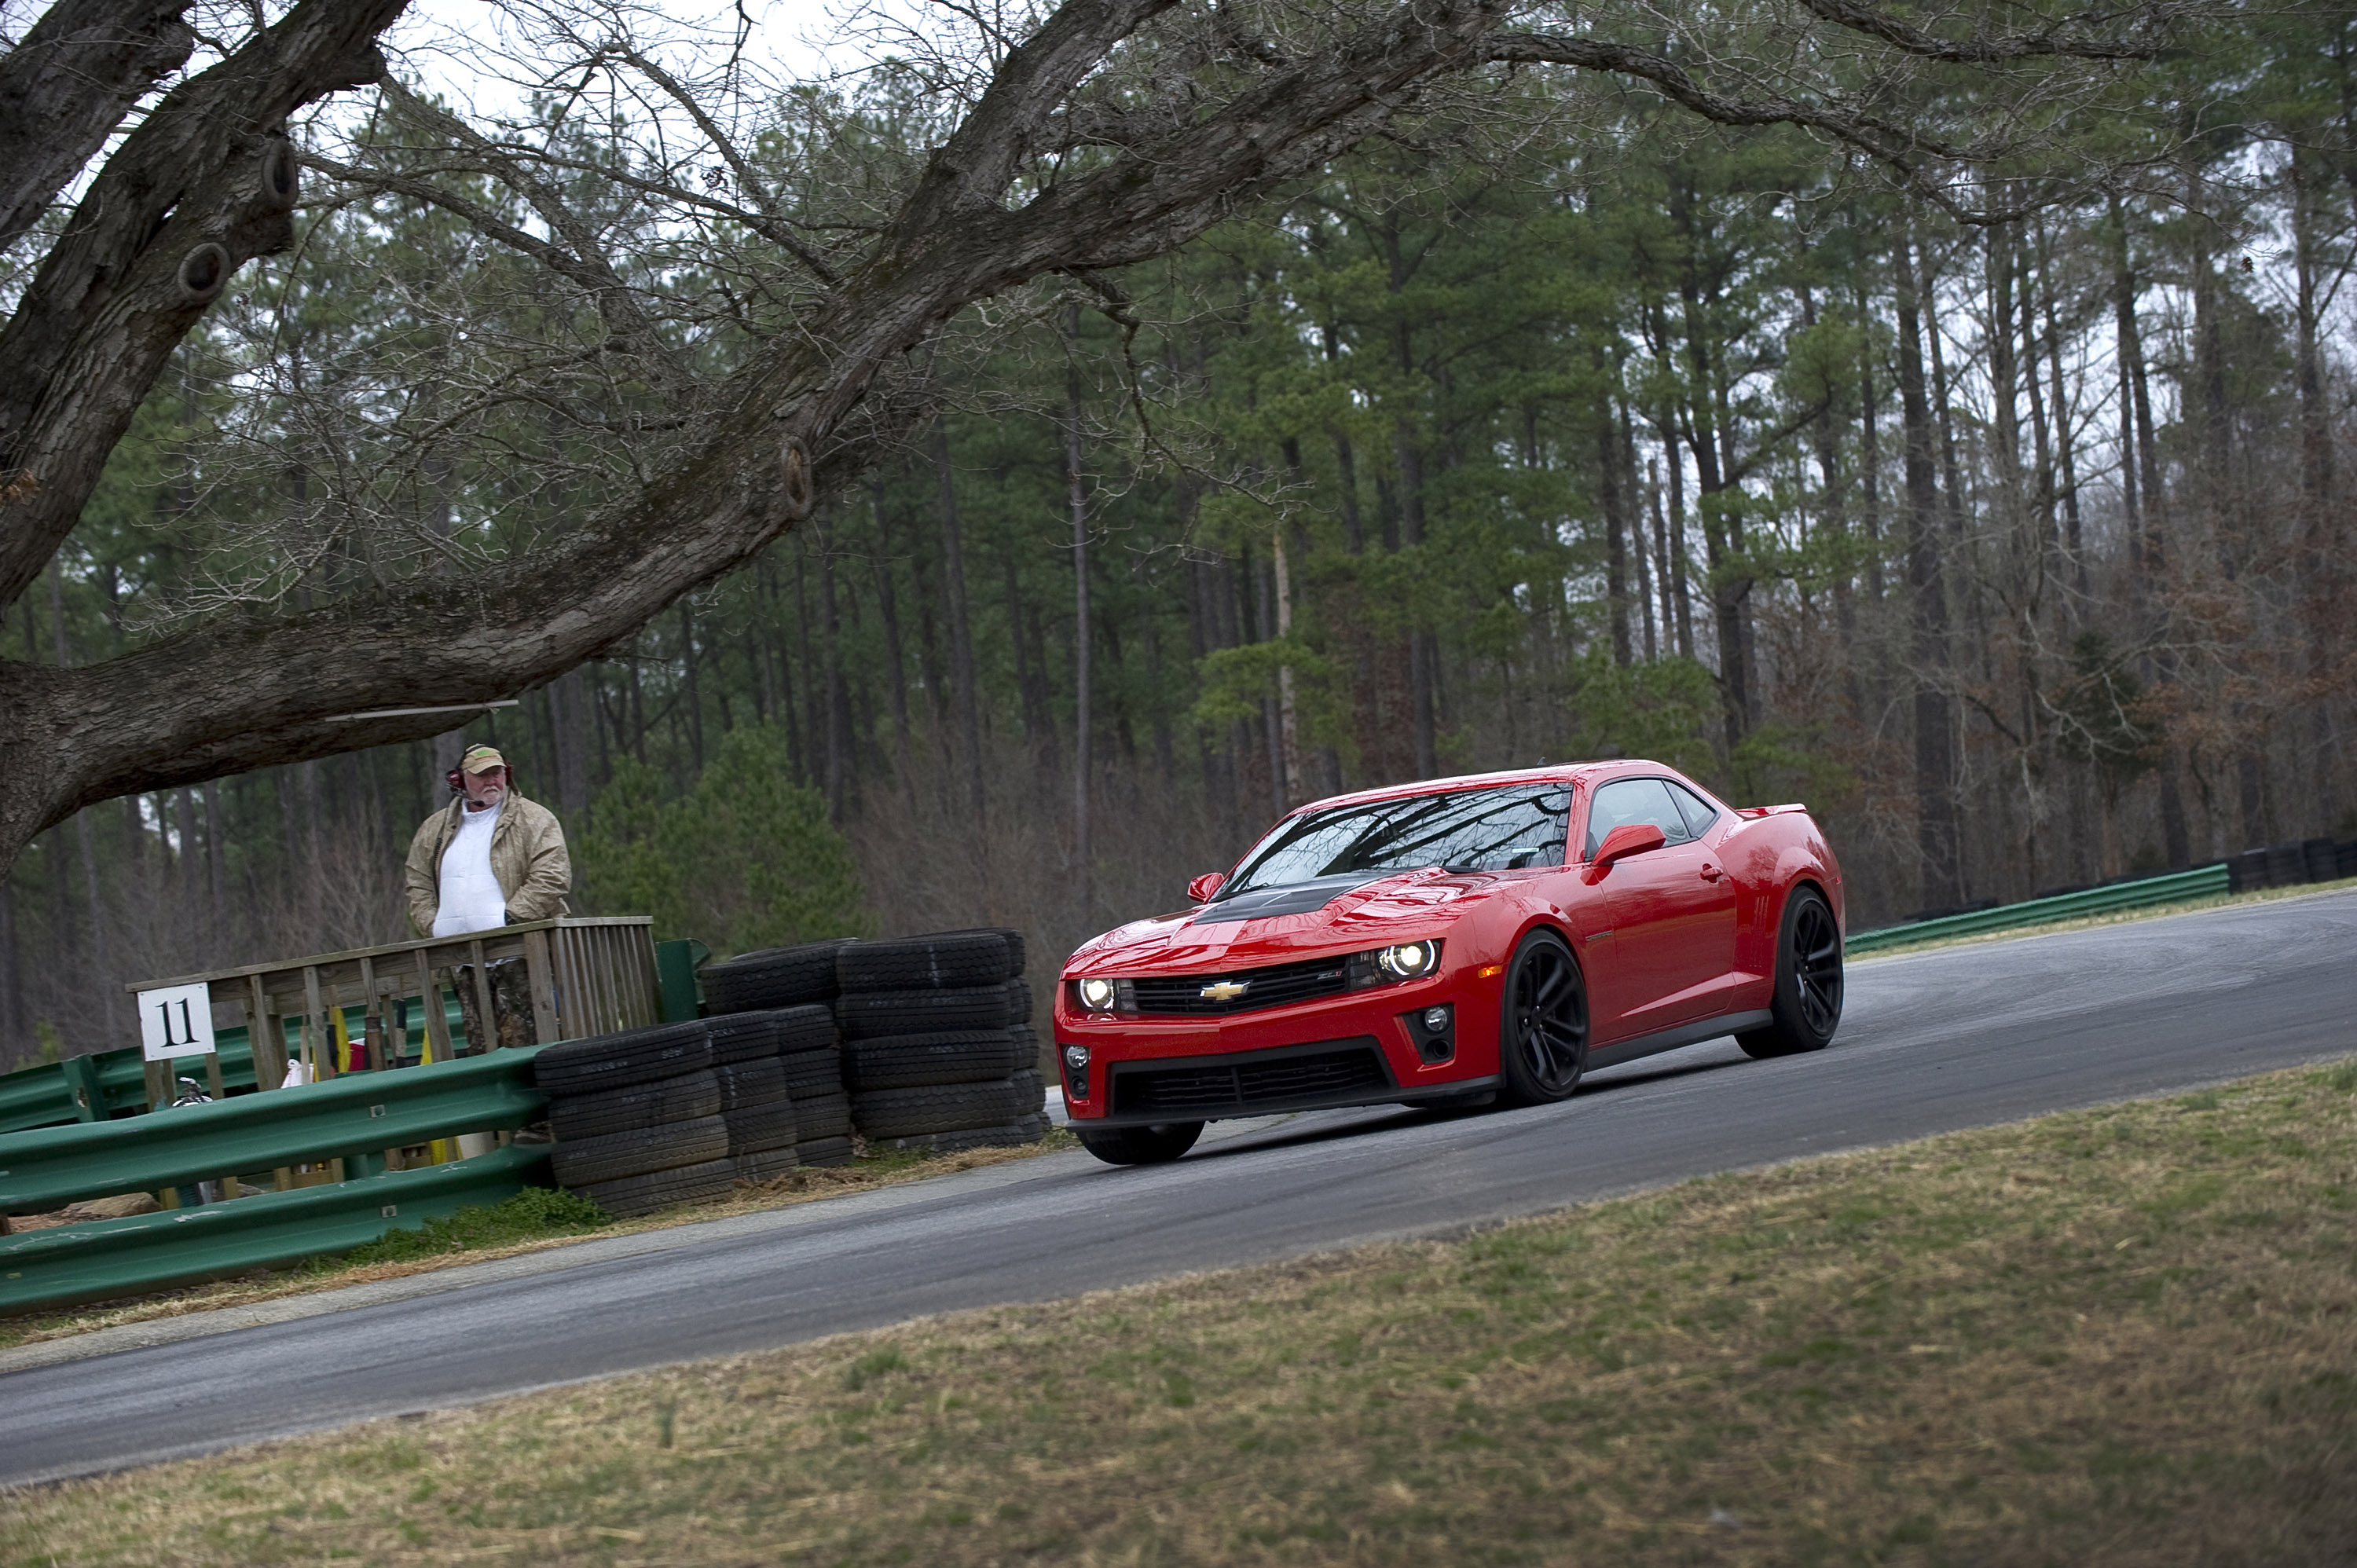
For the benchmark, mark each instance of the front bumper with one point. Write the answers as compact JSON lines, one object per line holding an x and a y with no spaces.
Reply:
{"x":1366,"y":1047}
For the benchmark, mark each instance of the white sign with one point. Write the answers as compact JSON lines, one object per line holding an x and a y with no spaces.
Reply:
{"x":177,"y":1021}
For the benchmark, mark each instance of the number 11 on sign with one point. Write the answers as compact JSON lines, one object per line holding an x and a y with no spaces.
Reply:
{"x":176,"y":1021}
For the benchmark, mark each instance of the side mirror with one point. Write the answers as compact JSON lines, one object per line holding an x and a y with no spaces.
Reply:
{"x":1200,"y":891}
{"x":1628,"y":839}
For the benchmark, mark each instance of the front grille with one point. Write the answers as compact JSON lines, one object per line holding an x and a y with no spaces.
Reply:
{"x":1215,"y":1086}
{"x":1182,"y":996}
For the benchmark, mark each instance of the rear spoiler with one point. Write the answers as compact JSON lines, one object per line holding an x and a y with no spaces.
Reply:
{"x":1756,"y":812}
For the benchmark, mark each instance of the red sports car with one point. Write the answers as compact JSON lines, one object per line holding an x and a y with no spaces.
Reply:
{"x":1450,"y":941}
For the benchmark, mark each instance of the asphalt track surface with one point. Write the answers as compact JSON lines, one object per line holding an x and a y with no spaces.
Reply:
{"x":1952,"y":1038}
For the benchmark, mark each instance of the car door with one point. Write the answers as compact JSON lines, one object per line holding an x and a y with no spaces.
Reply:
{"x":1673,"y":911}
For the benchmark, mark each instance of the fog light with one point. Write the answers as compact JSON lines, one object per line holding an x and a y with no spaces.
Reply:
{"x":1097,"y":996}
{"x":1076,"y":1071}
{"x":1435,"y":1019}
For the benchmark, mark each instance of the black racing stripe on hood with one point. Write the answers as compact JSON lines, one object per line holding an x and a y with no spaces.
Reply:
{"x":1299,"y":899}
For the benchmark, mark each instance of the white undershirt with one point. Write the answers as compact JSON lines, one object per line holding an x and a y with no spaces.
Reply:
{"x":472,"y":899}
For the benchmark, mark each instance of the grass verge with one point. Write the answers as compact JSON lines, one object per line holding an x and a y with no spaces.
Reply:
{"x":2120,"y":1336}
{"x":2115,"y":917}
{"x":527,"y":1223}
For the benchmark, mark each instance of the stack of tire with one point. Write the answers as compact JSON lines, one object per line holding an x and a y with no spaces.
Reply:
{"x":794,"y":988}
{"x":652,"y":1117}
{"x":938,"y":1048}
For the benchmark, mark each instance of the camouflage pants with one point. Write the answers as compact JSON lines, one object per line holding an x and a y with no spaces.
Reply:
{"x":511,"y":988}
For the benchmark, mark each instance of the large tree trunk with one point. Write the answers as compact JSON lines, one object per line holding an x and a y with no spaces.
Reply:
{"x":1935,"y":808}
{"x":962,"y":676}
{"x":1076,"y":501}
{"x":67,"y":85}
{"x":204,"y":184}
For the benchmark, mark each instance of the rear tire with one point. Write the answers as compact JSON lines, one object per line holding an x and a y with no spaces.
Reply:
{"x":1808,"y":1005}
{"x":1155,"y":1146}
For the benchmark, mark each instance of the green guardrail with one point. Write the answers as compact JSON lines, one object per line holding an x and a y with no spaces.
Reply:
{"x":105,"y":1258}
{"x":358,"y":1115}
{"x":115,"y":1083}
{"x":2201,"y":882}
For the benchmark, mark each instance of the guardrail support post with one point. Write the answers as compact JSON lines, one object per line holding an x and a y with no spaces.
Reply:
{"x":81,"y":1082}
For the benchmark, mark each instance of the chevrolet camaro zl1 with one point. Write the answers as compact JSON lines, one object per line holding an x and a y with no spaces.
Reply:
{"x":1452,"y":942}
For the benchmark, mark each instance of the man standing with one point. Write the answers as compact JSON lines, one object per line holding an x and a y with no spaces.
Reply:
{"x":493,"y":858}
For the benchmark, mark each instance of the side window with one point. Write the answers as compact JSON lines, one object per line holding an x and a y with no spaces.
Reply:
{"x":1699,"y":813}
{"x":1626,"y":800}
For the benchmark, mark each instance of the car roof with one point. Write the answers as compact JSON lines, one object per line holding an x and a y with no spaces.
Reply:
{"x":1561,"y":773}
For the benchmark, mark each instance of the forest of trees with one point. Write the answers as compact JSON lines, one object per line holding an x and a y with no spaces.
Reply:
{"x":2010,"y":538}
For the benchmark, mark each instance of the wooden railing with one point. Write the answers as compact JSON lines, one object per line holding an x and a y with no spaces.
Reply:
{"x":582,"y":977}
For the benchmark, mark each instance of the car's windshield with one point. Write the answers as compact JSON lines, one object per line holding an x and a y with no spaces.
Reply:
{"x":1462,"y":830}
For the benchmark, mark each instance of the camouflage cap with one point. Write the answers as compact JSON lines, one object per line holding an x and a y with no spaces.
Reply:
{"x":482,"y":760}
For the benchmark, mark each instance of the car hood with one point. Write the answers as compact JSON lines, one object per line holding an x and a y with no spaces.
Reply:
{"x":1292,"y":922}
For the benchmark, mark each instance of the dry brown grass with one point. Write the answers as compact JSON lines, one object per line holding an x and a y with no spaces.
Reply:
{"x":2122,"y":1335}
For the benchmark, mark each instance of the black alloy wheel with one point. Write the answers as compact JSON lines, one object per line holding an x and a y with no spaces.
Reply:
{"x":1808,"y":1003}
{"x":1543,"y":1023}
{"x":1155,"y":1146}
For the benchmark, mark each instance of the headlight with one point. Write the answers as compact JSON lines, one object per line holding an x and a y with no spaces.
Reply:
{"x":1409,"y":961}
{"x":1097,"y":996}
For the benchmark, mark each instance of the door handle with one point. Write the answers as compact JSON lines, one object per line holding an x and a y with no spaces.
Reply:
{"x":1711,"y":872}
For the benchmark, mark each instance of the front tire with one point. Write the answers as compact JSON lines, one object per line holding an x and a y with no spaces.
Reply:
{"x":1808,"y":1003}
{"x":1155,"y":1145}
{"x":1542,"y":1023}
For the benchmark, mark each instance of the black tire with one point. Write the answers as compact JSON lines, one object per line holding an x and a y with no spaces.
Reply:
{"x":603,"y":1159}
{"x":811,"y":1073}
{"x":1034,"y":1089}
{"x":773,"y":1032}
{"x":771,"y":977}
{"x":743,"y":1037}
{"x":767,"y":1164}
{"x":912,"y":1061}
{"x":644,"y":1194}
{"x":1015,"y":963}
{"x":1027,"y":1045}
{"x":574,"y":1117}
{"x":881,"y":1013}
{"x":822,"y":1116}
{"x":942,"y":1108}
{"x":1013,"y":1135}
{"x":1543,"y":1023}
{"x":1808,"y":1005}
{"x":762,"y":1127}
{"x":1155,"y":1146}
{"x":945,"y":962}
{"x":611,"y":1061}
{"x":1018,"y":1002}
{"x":747,"y":1084}
{"x":810,"y":1027}
{"x":824,"y":1151}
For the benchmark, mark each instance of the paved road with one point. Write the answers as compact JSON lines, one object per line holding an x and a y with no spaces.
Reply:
{"x":1960,"y":1037}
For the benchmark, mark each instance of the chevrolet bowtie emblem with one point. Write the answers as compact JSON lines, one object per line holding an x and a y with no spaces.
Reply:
{"x":1225,"y":990}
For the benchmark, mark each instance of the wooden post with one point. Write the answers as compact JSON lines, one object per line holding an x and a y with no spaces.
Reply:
{"x":371,"y":1018}
{"x":319,"y":1038}
{"x":544,"y":993}
{"x":268,"y":1038}
{"x":437,"y":1025}
{"x":483,"y":1001}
